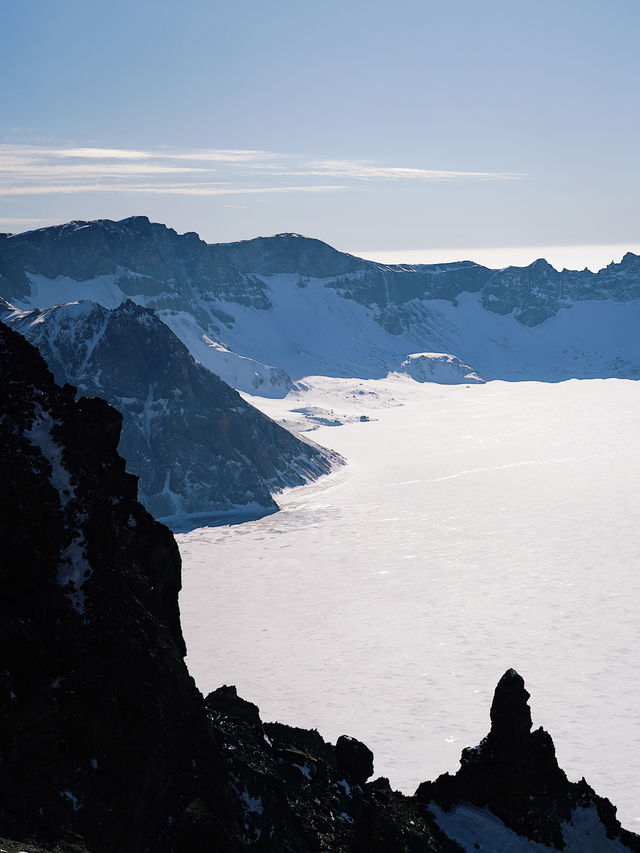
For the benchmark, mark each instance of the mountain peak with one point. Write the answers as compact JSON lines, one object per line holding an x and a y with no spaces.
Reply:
{"x":510,"y":712}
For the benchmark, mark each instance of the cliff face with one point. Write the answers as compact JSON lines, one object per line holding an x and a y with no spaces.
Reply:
{"x":105,"y":742}
{"x":97,"y":711}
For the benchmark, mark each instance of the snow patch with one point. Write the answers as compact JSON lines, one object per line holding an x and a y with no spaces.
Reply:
{"x":304,"y":769}
{"x":73,"y":568}
{"x":346,"y":787}
{"x":46,"y":292}
{"x":68,"y":795}
{"x":479,"y":829}
{"x":39,"y":434}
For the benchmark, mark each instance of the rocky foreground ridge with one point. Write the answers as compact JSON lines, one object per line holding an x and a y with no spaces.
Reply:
{"x":106,"y":743}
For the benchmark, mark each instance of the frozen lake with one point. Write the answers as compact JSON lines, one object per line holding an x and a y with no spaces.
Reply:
{"x":475,"y":528}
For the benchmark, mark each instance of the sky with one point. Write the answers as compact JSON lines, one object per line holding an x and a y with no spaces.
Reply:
{"x":499,"y":131}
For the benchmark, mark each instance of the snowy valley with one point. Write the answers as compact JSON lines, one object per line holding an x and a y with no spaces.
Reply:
{"x":474,"y":528}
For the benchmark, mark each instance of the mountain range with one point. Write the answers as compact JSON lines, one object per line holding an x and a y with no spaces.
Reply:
{"x":265,"y":313}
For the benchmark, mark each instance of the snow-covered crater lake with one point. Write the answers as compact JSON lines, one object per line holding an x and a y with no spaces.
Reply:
{"x":474,"y":528}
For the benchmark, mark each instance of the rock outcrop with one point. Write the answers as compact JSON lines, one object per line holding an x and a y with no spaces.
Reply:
{"x":439,"y":367}
{"x":98,"y":714}
{"x":105,"y":742}
{"x":514,"y":774}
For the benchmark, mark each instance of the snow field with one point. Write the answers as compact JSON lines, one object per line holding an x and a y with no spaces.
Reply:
{"x":475,"y":528}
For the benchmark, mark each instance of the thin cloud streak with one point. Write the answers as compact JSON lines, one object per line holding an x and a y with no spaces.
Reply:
{"x":82,"y":170}
{"x":222,"y":155}
{"x":24,"y":220}
{"x":162,"y":189}
{"x":37,"y":170}
{"x":354,"y":169}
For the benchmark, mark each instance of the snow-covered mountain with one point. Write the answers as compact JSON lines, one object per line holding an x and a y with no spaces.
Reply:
{"x":196,"y":445}
{"x":265,"y":313}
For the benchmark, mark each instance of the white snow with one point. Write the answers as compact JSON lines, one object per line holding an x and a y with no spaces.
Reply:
{"x":241,"y":372}
{"x":46,"y":292}
{"x":39,"y":434}
{"x":475,"y":528}
{"x":252,"y":804}
{"x":304,"y":769}
{"x":74,"y":568}
{"x":346,"y":787}
{"x":311,"y":330}
{"x":478,"y":829}
{"x":314,"y":331}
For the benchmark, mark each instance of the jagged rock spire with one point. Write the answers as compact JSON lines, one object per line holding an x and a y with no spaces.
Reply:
{"x":510,"y":713}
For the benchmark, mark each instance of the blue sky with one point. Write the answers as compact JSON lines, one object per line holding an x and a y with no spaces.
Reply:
{"x":412,"y":127}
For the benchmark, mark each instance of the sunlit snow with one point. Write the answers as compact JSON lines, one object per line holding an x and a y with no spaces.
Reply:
{"x":475,"y":528}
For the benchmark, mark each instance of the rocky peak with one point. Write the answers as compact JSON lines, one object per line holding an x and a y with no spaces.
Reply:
{"x":510,"y":714}
{"x":285,"y":253}
{"x":540,"y":265}
{"x":515,"y":774}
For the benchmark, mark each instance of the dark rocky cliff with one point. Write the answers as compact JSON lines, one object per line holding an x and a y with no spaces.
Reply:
{"x":105,"y":742}
{"x":98,"y":715}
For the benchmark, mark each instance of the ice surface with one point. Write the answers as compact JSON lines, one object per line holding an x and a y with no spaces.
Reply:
{"x":475,"y":528}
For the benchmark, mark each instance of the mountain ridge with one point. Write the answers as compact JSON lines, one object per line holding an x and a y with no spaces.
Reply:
{"x":266,"y":312}
{"x":291,"y":252}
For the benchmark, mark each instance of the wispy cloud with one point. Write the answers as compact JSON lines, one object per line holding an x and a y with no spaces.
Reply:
{"x":29,"y":170}
{"x":370,"y":171}
{"x":25,"y":220}
{"x":163,"y":189}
